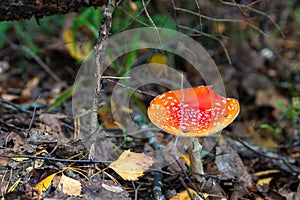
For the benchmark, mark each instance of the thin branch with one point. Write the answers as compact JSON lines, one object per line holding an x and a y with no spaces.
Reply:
{"x":25,"y":9}
{"x":152,"y":23}
{"x":248,"y":7}
{"x":55,"y":159}
{"x":222,"y":20}
{"x":99,"y":52}
{"x":273,"y":156}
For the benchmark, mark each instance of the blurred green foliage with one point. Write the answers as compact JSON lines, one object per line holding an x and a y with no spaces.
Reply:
{"x":297,"y":15}
{"x":30,"y":32}
{"x":291,"y":113}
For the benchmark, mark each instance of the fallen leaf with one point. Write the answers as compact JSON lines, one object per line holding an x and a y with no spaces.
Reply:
{"x":69,"y":186}
{"x":268,"y":97}
{"x":187,"y":159}
{"x":106,"y":117}
{"x":264,"y":181}
{"x":219,"y":27}
{"x":27,"y":91}
{"x":18,"y":159}
{"x":132,"y":165}
{"x":44,"y":184}
{"x":13,"y":187}
{"x":77,"y":49}
{"x":185,"y":195}
{"x":53,"y":120}
{"x":158,"y":58}
{"x":230,"y":165}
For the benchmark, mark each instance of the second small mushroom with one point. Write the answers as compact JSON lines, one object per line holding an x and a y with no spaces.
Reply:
{"x":193,"y":112}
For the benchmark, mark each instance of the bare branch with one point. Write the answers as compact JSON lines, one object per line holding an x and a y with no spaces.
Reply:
{"x":25,"y":9}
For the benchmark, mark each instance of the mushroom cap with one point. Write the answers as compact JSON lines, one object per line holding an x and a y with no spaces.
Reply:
{"x":204,"y":111}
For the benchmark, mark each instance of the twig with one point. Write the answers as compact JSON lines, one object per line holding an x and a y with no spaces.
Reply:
{"x":190,"y":195}
{"x":55,"y":159}
{"x":42,"y":64}
{"x":197,"y":29}
{"x":16,"y":107}
{"x":221,"y":20}
{"x":190,"y":181}
{"x":248,"y":7}
{"x":130,"y":88}
{"x":33,"y":116}
{"x":285,"y":65}
{"x":136,"y":190}
{"x":270,"y":155}
{"x":99,"y":52}
{"x":157,"y":175}
{"x":157,"y":185}
{"x":152,"y":23}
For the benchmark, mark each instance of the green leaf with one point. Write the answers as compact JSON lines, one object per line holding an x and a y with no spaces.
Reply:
{"x":4,"y":26}
{"x":297,"y":15}
{"x":163,"y":21}
{"x":280,"y":105}
{"x":131,"y":56}
{"x":267,"y":126}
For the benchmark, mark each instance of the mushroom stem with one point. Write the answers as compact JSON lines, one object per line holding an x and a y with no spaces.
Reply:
{"x":194,"y":151}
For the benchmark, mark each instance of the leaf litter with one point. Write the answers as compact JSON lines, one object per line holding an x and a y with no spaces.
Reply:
{"x":264,"y":166}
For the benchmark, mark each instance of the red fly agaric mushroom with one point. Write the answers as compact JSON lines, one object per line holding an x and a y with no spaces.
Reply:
{"x":193,"y":112}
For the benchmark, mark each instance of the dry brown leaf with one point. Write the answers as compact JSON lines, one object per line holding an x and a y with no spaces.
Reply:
{"x":27,"y":91}
{"x":230,"y":165}
{"x":69,"y":186}
{"x":53,"y":120}
{"x":268,"y":97}
{"x":132,"y":165}
{"x":44,"y":184}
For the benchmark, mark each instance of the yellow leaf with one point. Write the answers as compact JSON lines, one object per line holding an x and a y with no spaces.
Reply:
{"x":264,"y":181}
{"x":158,"y":58}
{"x":13,"y":187}
{"x":44,"y":184}
{"x":184,"y":195}
{"x":19,"y":159}
{"x":40,"y":152}
{"x":78,"y":50}
{"x":131,"y":165}
{"x":69,"y":186}
{"x":106,"y":117}
{"x":219,"y":27}
{"x":187,"y":159}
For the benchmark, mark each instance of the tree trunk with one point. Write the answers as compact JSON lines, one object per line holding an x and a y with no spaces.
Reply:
{"x":24,"y":9}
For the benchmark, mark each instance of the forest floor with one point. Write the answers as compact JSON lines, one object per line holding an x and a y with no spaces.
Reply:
{"x":256,"y":157}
